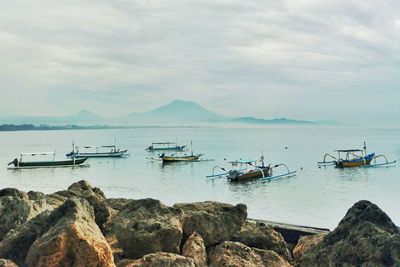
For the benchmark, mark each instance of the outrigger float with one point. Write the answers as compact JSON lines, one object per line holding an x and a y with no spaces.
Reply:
{"x":355,"y":158}
{"x":21,"y":164}
{"x":245,"y":170}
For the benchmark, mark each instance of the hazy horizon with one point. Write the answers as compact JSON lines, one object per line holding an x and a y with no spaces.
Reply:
{"x":310,"y":60}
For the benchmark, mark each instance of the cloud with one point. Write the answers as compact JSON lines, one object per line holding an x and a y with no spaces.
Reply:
{"x":263,"y":58}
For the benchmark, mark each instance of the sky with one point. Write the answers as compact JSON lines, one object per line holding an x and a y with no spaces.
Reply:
{"x":302,"y":59}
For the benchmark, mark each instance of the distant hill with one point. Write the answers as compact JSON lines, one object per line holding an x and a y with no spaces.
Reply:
{"x":252,"y":120}
{"x":82,"y":117}
{"x":178,"y":112}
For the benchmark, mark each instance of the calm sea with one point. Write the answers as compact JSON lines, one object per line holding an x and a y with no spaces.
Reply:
{"x":315,"y":197}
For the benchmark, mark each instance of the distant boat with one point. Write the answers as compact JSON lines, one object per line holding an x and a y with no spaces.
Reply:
{"x":355,"y":158}
{"x":99,"y":152}
{"x":21,"y":164}
{"x":165,"y":146}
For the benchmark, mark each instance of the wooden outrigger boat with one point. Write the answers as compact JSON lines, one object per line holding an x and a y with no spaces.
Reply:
{"x":20,"y":164}
{"x":165,"y":146}
{"x":248,"y":174}
{"x":180,"y":157}
{"x":100,"y":152}
{"x":249,"y":170}
{"x":355,"y":158}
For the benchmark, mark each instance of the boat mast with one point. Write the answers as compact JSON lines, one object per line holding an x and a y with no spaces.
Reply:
{"x":365,"y":148}
{"x":262,"y":157}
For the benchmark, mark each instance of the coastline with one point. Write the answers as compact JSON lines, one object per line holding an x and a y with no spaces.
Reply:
{"x":81,"y":226}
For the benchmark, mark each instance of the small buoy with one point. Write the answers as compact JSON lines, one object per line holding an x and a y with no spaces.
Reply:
{"x":285,"y":147}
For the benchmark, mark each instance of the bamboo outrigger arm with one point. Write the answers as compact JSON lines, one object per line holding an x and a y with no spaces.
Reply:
{"x":328,"y":162}
{"x":218,"y":175}
{"x":380,"y":164}
{"x":288,"y":174}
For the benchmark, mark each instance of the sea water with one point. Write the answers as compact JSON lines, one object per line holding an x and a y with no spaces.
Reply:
{"x":315,"y":196}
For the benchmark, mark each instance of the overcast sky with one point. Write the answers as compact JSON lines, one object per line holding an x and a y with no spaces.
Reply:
{"x":304,"y":59}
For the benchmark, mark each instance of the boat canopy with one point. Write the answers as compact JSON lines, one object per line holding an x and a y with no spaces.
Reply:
{"x":97,"y":146}
{"x":164,"y":143}
{"x":349,"y":150}
{"x":38,"y":153}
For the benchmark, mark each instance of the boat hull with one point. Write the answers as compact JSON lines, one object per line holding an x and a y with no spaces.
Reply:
{"x":180,"y":159}
{"x":50,"y":164}
{"x":250,"y":175}
{"x":117,"y":154}
{"x":356,"y":162}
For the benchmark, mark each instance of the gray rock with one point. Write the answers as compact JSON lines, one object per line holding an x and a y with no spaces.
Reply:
{"x":16,"y":208}
{"x":72,"y":239}
{"x":147,"y":226}
{"x":214,"y":221}
{"x":94,"y":196}
{"x":58,"y":238}
{"x":262,"y":237}
{"x":236,"y":254}
{"x":194,"y":248}
{"x":364,"y":237}
{"x":161,"y":259}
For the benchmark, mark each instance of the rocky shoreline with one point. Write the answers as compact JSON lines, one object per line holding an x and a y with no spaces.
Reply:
{"x":81,"y":227}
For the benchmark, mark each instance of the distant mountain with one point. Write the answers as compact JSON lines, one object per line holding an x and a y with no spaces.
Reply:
{"x":252,"y":120}
{"x":85,"y":115}
{"x":178,"y":111}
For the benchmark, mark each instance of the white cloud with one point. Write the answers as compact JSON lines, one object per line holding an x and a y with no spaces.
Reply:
{"x":265,"y":58}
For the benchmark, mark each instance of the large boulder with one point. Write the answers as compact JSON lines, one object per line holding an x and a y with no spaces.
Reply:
{"x":305,"y":243}
{"x":93,"y":195}
{"x":194,"y":248}
{"x":16,"y":208}
{"x":146,"y":226}
{"x":364,"y":237}
{"x":262,"y":237}
{"x":75,"y":239}
{"x":214,"y":221}
{"x":162,"y":259}
{"x":237,"y":254}
{"x":64,"y":237}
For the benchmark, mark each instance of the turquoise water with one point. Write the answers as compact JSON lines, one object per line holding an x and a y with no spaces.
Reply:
{"x":316,"y":196}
